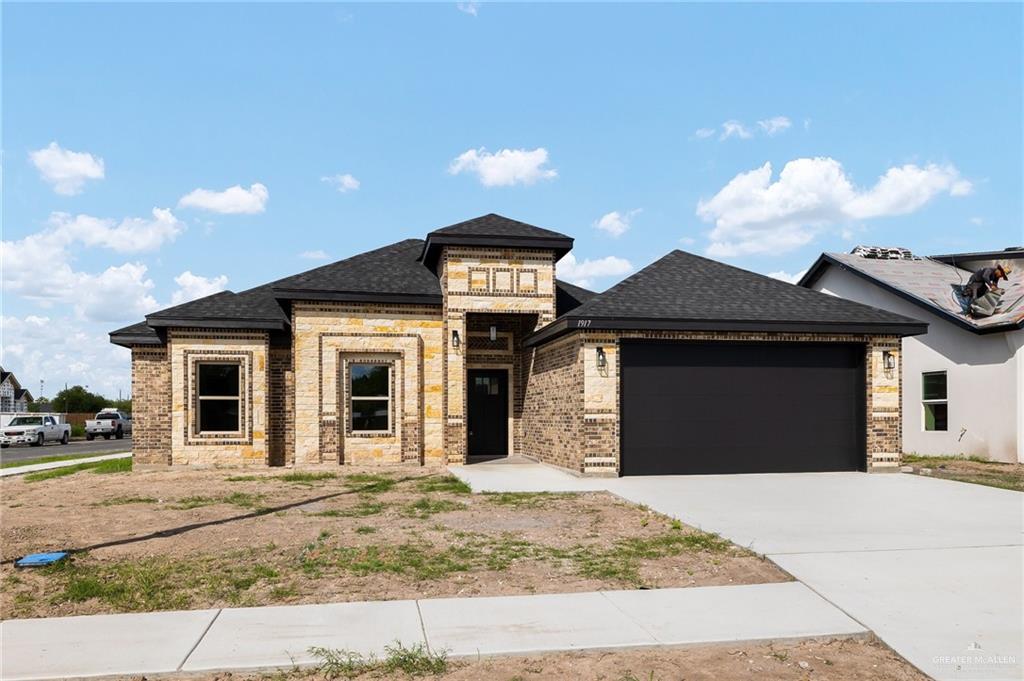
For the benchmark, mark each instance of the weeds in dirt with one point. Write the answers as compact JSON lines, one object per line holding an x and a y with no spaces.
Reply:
{"x":244,"y":478}
{"x":364,"y":508}
{"x":366,"y":529}
{"x":305,"y":476}
{"x":124,"y":501}
{"x":415,"y":660}
{"x":525,"y":499}
{"x":449,"y":484}
{"x":370,"y":483}
{"x":426,"y":506}
{"x":240,"y":499}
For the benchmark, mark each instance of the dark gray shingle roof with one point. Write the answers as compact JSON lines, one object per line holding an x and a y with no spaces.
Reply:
{"x":687,"y":292}
{"x":569,"y":296}
{"x":493,"y":230}
{"x":493,"y":224}
{"x":392,"y":271}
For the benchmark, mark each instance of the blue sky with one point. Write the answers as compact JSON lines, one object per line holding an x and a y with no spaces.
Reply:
{"x":635,"y":129}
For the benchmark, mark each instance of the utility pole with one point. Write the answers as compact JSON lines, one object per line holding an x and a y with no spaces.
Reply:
{"x":41,"y":388}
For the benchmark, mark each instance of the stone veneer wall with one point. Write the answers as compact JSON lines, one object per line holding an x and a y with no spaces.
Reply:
{"x":554,"y":429}
{"x":596,"y":451}
{"x":486,"y":280}
{"x":409,"y":338}
{"x":249,"y":447}
{"x":151,"y":407}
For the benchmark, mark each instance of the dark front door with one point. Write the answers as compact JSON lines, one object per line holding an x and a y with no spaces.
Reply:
{"x":488,"y":412}
{"x":700,"y":408}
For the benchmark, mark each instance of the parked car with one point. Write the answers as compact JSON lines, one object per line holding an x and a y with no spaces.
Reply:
{"x":34,"y":431}
{"x":109,"y":422}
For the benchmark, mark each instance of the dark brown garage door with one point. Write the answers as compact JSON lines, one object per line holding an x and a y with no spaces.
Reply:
{"x":697,"y":408}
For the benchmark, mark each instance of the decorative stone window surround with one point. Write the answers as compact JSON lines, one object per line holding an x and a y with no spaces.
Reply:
{"x":244,"y":359}
{"x":391,"y":360}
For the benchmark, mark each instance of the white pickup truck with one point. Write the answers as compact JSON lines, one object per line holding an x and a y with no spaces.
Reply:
{"x":109,"y":422}
{"x":34,"y":430}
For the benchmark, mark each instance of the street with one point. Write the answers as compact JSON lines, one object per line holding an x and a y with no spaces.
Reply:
{"x":83,"y":447}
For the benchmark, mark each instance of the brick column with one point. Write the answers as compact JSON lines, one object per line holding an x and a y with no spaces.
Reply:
{"x":151,"y":407}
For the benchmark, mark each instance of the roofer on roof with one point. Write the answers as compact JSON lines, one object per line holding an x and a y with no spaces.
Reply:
{"x":984,"y":280}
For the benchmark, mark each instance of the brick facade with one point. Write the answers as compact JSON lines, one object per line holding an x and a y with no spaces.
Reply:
{"x":151,"y":407}
{"x":564,"y":407}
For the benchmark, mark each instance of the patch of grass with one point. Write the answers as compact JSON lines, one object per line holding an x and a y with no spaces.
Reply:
{"x":427,"y":506}
{"x":422,"y":562}
{"x":917,"y":458}
{"x":366,"y":529}
{"x":44,"y":459}
{"x":364,"y":508}
{"x":159,"y":583}
{"x":447,"y":483}
{"x":242,"y":499}
{"x":244,"y":478}
{"x":525,"y":499}
{"x":306,"y":476}
{"x":108,"y":466}
{"x":124,"y":501}
{"x":186,"y":503}
{"x":415,"y":660}
{"x":370,"y":483}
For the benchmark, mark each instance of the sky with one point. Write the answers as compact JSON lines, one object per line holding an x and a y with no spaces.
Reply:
{"x":155,"y":153}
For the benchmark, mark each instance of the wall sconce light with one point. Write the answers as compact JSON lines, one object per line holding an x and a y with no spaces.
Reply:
{"x":456,"y":341}
{"x":494,"y":333}
{"x":602,"y":360}
{"x":888,"y":360}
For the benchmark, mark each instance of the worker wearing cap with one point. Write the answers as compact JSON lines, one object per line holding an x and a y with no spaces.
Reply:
{"x":984,"y":280}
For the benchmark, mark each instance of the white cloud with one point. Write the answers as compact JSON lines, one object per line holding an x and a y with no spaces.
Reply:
{"x":131,"y":235}
{"x":753,"y":214}
{"x":977,"y":221}
{"x":192,"y":286}
{"x":773,"y":126}
{"x":735,"y":129}
{"x":468,"y":7}
{"x":505,"y":167}
{"x":39,"y":268}
{"x":584,"y":273}
{"x":615,"y":223}
{"x":61,"y":350}
{"x":704,"y":133}
{"x":66,"y":170}
{"x":687,"y":240}
{"x":782,"y":275}
{"x":235,"y":199}
{"x":343,"y":183}
{"x":314,"y":255}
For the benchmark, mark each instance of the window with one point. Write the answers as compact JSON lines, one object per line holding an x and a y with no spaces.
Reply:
{"x":936,"y":407}
{"x":219,"y":397}
{"x":370,"y":397}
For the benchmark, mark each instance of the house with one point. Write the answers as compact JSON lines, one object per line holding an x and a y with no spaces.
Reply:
{"x":13,"y":398}
{"x":464,"y":344}
{"x":963,"y":381}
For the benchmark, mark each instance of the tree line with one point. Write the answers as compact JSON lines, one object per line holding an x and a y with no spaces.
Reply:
{"x":77,"y":400}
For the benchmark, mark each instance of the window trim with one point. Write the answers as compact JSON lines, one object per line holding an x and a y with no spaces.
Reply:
{"x":350,"y":428}
{"x":200,"y":398}
{"x":926,"y":402}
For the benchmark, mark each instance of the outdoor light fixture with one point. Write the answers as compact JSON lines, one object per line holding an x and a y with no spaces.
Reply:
{"x":455,"y":338}
{"x":602,"y":360}
{"x":888,"y":360}
{"x":494,"y":333}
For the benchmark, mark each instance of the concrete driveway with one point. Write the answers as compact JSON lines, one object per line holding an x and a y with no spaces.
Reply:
{"x":935,"y":568}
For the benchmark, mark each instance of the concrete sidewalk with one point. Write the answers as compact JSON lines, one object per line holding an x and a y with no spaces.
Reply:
{"x":50,"y":465}
{"x":252,"y":638}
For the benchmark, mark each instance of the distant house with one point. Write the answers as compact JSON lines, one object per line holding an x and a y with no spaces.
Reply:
{"x":963,"y":381}
{"x":13,"y":397}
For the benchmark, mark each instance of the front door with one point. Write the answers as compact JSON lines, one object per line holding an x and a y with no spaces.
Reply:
{"x":488,"y":412}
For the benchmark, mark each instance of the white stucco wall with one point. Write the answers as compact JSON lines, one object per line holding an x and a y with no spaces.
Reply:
{"x":985,"y":378}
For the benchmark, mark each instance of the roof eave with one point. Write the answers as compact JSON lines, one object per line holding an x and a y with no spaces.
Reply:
{"x":359,"y":296}
{"x":216,"y":323}
{"x":569,"y":324}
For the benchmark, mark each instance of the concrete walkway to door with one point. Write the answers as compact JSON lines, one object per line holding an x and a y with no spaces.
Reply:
{"x":934,"y":567}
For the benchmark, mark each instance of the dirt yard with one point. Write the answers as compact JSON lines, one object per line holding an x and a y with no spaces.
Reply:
{"x":977,"y":471}
{"x":825,"y":660}
{"x":195,"y":539}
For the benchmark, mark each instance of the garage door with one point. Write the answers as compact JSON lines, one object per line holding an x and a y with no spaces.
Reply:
{"x":697,"y":408}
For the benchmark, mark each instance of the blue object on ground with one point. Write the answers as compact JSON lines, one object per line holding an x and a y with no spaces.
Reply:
{"x":41,"y":559}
